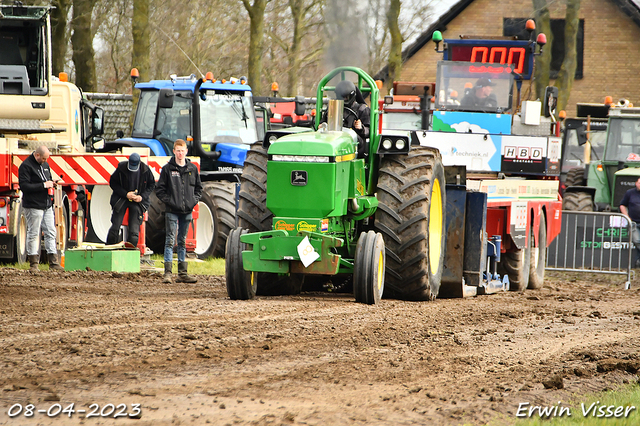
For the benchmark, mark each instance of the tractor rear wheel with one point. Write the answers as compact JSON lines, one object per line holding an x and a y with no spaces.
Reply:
{"x":217,"y":216}
{"x":240,"y":283}
{"x":575,"y":177}
{"x":252,"y":206}
{"x":577,"y":202}
{"x":411,"y":218}
{"x":254,"y":216}
{"x":516,"y":265}
{"x":154,"y":226}
{"x":538,"y":256}
{"x":368,"y":277}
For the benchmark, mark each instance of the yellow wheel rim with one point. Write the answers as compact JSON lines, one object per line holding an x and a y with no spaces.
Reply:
{"x":380,"y":270}
{"x":435,"y":227}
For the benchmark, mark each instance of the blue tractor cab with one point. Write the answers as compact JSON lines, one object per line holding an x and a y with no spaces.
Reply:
{"x":218,"y":121}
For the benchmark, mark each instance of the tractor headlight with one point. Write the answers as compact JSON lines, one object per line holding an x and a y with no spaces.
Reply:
{"x":272,"y":139}
{"x":394,"y":142}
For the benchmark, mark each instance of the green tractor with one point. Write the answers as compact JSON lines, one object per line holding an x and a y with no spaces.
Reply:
{"x":312,"y":208}
{"x":603,"y":181}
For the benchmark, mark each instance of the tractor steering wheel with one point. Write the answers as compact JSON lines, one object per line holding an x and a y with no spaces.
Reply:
{"x":347,"y":121}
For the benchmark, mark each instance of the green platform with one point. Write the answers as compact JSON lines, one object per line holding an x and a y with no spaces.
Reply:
{"x":102,"y":260}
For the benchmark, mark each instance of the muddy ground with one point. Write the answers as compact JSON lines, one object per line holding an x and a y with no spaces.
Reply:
{"x":189,"y":355}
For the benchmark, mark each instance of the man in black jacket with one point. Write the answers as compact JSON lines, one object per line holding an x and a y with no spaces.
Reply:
{"x":179,"y":188}
{"x":36,"y":184}
{"x":132,"y":183}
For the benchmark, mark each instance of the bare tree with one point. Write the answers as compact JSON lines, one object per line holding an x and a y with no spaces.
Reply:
{"x":59,"y":34}
{"x":542,"y":62}
{"x":256,"y":37}
{"x":296,"y":36}
{"x":141,"y":38}
{"x":395,"y":50}
{"x":82,"y":41}
{"x":568,"y":69}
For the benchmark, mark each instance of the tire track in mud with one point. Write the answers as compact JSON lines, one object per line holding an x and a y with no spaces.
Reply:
{"x":186,"y":351}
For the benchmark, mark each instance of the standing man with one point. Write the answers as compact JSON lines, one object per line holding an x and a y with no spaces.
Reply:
{"x":132,"y":183}
{"x":180,"y":189}
{"x":630,"y":206}
{"x":37,"y":186}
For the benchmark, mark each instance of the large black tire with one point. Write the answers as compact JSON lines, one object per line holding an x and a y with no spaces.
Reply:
{"x":538,"y":256}
{"x":240,"y":283}
{"x":20,"y":249}
{"x":368,"y":277}
{"x":411,"y":218}
{"x":216,"y":218}
{"x":575,"y":177}
{"x":516,"y":265}
{"x":577,"y":202}
{"x":254,"y":216}
{"x":217,"y":209}
{"x":252,"y":205}
{"x":154,"y":226}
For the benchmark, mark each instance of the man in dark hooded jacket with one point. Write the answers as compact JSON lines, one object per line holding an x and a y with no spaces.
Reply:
{"x":179,"y":188}
{"x":132,"y":183}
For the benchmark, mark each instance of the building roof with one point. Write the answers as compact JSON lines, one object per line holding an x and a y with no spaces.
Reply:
{"x":630,"y":8}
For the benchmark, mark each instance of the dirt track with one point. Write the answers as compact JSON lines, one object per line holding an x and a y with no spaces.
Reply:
{"x":189,"y":355}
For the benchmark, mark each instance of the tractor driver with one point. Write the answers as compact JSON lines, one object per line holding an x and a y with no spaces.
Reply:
{"x":480,"y":96}
{"x":356,"y":114}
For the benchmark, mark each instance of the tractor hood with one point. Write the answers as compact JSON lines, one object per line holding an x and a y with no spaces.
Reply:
{"x":321,"y":143}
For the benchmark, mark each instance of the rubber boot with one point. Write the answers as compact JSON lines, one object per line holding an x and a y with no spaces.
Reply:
{"x":33,"y":262}
{"x":182,"y":274}
{"x":166,"y":278}
{"x":53,"y":262}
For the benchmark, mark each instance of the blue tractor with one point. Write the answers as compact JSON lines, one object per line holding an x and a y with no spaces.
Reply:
{"x":218,"y":121}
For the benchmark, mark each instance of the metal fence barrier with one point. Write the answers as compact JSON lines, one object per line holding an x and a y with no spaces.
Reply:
{"x":593,"y":242}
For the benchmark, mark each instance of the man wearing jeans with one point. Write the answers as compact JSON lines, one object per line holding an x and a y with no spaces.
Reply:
{"x":179,"y":188}
{"x":630,"y":206}
{"x":37,"y":186}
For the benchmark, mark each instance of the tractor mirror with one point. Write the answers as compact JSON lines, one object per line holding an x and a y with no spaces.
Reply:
{"x":97,"y":143}
{"x":300,"y":105}
{"x":97,"y":121}
{"x":165,"y":99}
{"x":582,"y":135}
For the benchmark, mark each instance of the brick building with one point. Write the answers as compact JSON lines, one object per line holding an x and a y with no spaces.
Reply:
{"x":610,"y":31}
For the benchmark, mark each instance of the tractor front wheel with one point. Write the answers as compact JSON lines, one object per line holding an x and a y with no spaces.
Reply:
{"x":411,"y":218}
{"x":368,"y":277}
{"x":240,"y":283}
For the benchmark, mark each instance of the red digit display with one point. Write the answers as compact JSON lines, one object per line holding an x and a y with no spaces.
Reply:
{"x":514,"y":54}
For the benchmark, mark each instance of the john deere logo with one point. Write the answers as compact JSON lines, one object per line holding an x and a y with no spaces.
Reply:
{"x":298,"y":177}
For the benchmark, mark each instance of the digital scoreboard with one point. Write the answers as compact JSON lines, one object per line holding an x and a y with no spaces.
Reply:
{"x":493,"y":56}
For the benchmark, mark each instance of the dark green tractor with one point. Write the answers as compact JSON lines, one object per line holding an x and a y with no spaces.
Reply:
{"x":599,"y":181}
{"x":311,"y":207}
